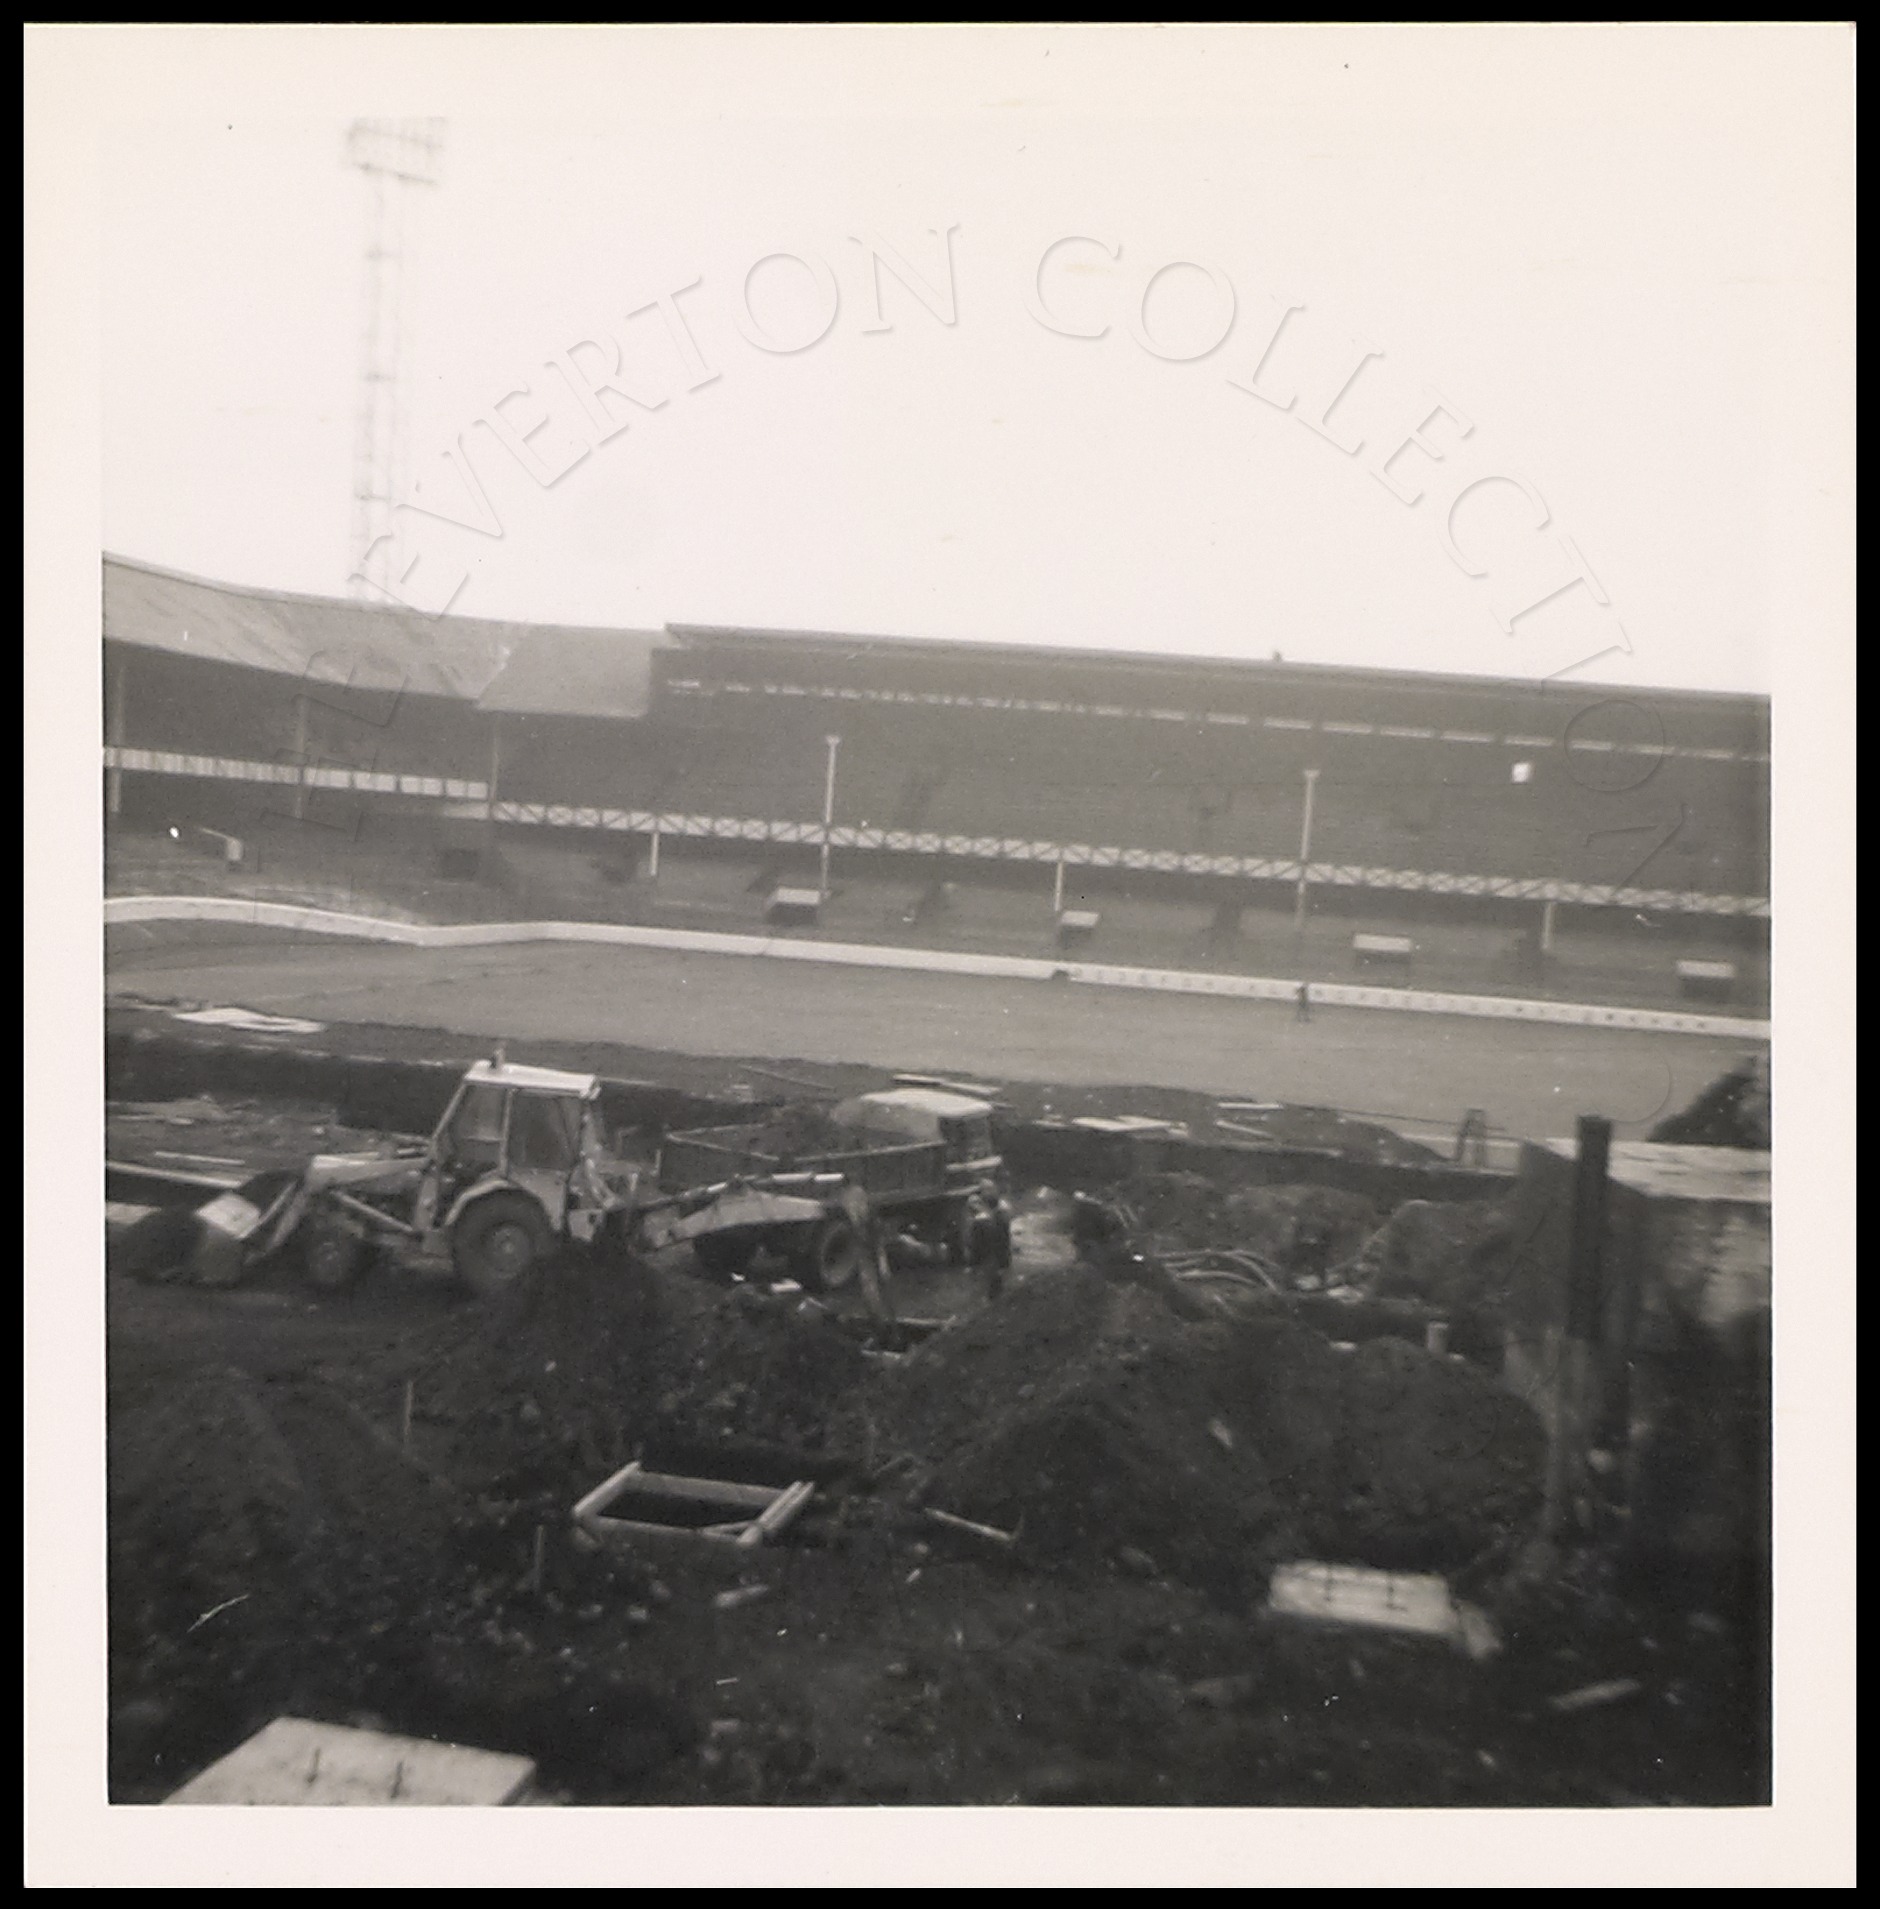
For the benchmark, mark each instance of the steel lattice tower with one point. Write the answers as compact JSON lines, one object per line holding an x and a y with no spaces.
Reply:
{"x":396,"y":156}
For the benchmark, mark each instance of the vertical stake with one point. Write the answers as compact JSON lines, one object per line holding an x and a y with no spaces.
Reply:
{"x":1584,"y":1303}
{"x":829,"y":813}
{"x":1305,"y":853}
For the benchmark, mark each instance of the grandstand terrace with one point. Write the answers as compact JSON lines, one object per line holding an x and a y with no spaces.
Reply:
{"x":1480,"y":796}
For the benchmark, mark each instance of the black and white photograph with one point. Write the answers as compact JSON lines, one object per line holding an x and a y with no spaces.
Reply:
{"x":911,"y":914}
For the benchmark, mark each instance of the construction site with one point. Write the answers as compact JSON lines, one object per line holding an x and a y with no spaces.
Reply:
{"x":910,"y":928}
{"x":1199,"y":1453}
{"x":734,"y":1217}
{"x":913,"y":929}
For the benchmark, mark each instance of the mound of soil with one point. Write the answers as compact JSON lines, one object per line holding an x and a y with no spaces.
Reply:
{"x":262,"y":1537}
{"x":558,"y":1382}
{"x":205,"y":1458}
{"x":278,"y":1484}
{"x":1433,"y":1462}
{"x":760,"y":1367}
{"x":1090,"y":1410}
{"x":806,"y":1127}
{"x":552,"y":1382}
{"x":1733,"y":1111}
{"x":1452,"y":1255}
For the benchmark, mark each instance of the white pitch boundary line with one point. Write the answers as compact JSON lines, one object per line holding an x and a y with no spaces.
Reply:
{"x":122,"y":909}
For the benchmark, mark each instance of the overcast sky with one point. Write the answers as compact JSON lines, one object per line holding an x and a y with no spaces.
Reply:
{"x":1597,"y":252}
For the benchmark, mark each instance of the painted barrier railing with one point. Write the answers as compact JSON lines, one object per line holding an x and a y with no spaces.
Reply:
{"x":970,"y":847}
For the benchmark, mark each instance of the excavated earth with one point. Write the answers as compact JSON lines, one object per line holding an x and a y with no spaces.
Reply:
{"x":357,"y":1508}
{"x":278,"y":1543}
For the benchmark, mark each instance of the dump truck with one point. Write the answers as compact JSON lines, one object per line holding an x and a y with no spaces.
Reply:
{"x":906,"y":1160}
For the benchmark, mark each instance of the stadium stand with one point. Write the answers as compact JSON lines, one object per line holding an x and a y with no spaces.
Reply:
{"x":237,"y":704}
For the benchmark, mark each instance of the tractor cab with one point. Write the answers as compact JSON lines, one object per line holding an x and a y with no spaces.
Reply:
{"x":534,"y":1131}
{"x":517,"y":1167}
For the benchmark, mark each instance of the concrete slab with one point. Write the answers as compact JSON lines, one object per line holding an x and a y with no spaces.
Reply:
{"x":295,"y":1762}
{"x":1660,"y":1170}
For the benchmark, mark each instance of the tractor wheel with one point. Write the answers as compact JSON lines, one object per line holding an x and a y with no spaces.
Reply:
{"x":334,"y":1253}
{"x":830,"y":1257}
{"x":498,"y":1241}
{"x":724,"y":1255}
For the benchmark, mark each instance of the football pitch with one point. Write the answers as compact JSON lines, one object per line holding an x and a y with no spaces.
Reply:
{"x":1414,"y":1070}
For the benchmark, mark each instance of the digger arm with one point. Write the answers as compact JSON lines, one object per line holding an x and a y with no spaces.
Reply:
{"x":337,"y":1177}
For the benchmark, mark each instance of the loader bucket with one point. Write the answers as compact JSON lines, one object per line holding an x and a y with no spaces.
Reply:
{"x":233,"y":1230}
